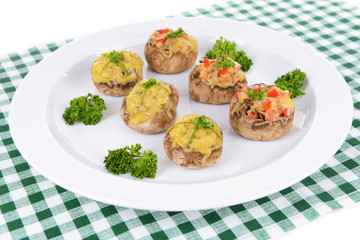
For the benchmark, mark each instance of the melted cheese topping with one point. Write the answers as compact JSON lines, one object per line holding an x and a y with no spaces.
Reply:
{"x":184,"y":44}
{"x":112,"y":73}
{"x":270,"y":107}
{"x":205,"y":140}
{"x":211,"y":75}
{"x":155,"y":100}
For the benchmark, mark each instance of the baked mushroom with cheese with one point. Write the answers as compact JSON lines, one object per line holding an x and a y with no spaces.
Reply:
{"x":116,"y":73}
{"x":169,"y":51}
{"x":216,"y":81}
{"x":150,"y":106}
{"x":194,"y":141}
{"x":262,"y":112}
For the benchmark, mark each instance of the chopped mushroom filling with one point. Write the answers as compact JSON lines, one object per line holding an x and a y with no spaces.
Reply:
{"x":223,"y":72}
{"x":267,"y":103}
{"x":170,"y":43}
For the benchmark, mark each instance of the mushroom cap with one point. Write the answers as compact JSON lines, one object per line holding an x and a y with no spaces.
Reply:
{"x":160,"y":122}
{"x":257,"y":129}
{"x":189,"y":159}
{"x":176,"y":63}
{"x":203,"y":92}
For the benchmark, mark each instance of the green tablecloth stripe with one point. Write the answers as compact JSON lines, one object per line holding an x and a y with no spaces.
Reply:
{"x":35,"y":208}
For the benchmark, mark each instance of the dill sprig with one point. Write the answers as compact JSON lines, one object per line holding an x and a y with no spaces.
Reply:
{"x":200,"y":122}
{"x":148,"y":84}
{"x":115,"y":57}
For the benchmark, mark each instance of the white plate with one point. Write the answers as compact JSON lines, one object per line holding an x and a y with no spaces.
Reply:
{"x":72,"y":156}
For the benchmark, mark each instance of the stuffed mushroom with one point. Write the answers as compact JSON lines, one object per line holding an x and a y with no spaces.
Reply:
{"x":216,"y":81}
{"x":150,"y":107}
{"x":194,"y":141}
{"x":116,"y":73}
{"x":169,"y":51}
{"x":262,"y":112}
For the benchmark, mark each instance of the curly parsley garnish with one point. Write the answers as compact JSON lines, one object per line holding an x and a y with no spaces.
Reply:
{"x":200,"y":122}
{"x":224,"y":47}
{"x":256,"y":95}
{"x":224,"y":62}
{"x":148,"y":84}
{"x":292,"y":82}
{"x":131,"y":160}
{"x":115,"y":57}
{"x":177,"y":33}
{"x":87,"y":109}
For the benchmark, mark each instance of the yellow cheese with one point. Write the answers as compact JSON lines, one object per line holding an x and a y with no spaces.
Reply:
{"x":204,"y":141}
{"x":109,"y":72}
{"x":155,"y":100}
{"x":182,"y":45}
{"x":286,"y":102}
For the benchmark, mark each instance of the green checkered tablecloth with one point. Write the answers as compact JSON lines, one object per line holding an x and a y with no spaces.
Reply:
{"x":34,"y":207}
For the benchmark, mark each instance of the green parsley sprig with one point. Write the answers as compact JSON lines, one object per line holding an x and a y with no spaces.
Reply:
{"x":177,"y":33}
{"x":292,"y":82}
{"x":131,"y":160}
{"x":224,"y":62}
{"x":115,"y":57}
{"x":200,"y":122}
{"x":256,"y":95}
{"x":148,"y":84}
{"x":87,"y":109}
{"x":225,"y":47}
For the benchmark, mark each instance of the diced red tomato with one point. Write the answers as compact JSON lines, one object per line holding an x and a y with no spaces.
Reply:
{"x":162,"y":31}
{"x":253,"y":115}
{"x":161,"y":39}
{"x":267,"y":105}
{"x":222,"y":70}
{"x":255,"y":87}
{"x":206,"y":62}
{"x":286,"y":112}
{"x":271,"y":115}
{"x":273,"y":93}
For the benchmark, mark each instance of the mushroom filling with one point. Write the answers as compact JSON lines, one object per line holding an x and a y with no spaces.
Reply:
{"x":170,"y":42}
{"x":264,"y":103}
{"x":223,"y":72}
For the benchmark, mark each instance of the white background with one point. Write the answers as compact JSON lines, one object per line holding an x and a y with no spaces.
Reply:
{"x":26,"y":24}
